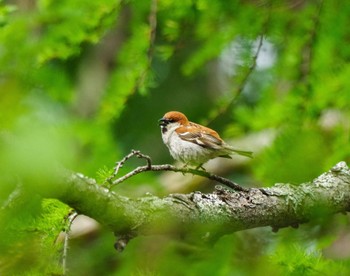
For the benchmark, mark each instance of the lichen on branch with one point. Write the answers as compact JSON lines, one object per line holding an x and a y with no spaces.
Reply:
{"x":221,"y":212}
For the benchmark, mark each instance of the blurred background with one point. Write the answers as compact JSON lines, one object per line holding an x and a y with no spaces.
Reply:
{"x":84,"y":82}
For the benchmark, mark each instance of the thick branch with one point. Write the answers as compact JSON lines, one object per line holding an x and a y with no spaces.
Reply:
{"x":220,"y":212}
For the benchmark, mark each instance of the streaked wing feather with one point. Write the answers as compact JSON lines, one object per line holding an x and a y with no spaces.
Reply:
{"x":204,"y":137}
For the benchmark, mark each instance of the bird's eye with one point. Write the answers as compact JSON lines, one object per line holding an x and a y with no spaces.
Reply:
{"x":164,"y":122}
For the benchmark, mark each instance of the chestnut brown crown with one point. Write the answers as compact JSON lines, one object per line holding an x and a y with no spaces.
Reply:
{"x":173,"y":117}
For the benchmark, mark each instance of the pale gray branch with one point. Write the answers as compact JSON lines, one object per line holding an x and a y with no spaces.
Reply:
{"x":218,"y":213}
{"x":165,"y":167}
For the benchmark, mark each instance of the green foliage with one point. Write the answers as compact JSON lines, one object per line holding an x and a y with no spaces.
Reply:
{"x":133,"y":65}
{"x":31,"y":231}
{"x":103,"y":173}
{"x":288,"y":159}
{"x":5,"y":11}
{"x":295,"y":260}
{"x":65,"y":26}
{"x":201,"y":62}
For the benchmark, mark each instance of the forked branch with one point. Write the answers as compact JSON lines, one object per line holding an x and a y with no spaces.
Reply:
{"x":165,"y":167}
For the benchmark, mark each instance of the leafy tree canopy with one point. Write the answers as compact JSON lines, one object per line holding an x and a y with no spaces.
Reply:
{"x":84,"y":82}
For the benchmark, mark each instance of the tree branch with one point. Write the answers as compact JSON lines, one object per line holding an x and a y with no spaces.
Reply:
{"x":165,"y":167}
{"x":218,"y":213}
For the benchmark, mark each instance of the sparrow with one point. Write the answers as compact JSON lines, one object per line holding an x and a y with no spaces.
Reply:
{"x":191,"y":143}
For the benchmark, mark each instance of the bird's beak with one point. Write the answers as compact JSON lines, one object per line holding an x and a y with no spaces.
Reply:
{"x":163,"y":121}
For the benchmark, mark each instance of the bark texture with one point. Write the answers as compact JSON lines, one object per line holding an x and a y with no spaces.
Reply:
{"x":221,"y":212}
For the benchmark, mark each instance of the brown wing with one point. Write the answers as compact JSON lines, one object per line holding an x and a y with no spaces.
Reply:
{"x":200,"y":135}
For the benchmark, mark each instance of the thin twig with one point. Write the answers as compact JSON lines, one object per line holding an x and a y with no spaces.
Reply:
{"x":168,"y":167}
{"x":308,"y":48}
{"x":152,"y":19}
{"x":71,"y":217}
{"x":243,"y":83}
{"x":144,"y":156}
{"x":120,"y":164}
{"x":153,"y":28}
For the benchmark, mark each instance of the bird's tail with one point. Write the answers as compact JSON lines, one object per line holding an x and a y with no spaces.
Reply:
{"x":242,"y":152}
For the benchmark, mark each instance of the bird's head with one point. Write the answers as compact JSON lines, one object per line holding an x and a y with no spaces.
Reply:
{"x":172,"y":118}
